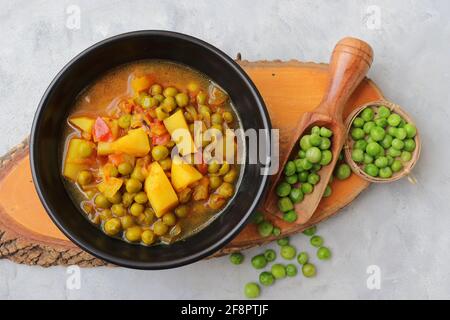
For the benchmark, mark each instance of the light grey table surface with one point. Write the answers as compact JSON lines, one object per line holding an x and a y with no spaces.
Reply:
{"x":401,"y":228}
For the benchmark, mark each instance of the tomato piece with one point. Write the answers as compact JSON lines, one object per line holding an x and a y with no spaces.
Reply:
{"x":101,"y":130}
{"x":116,"y":158}
{"x":158,"y":129}
{"x":161,"y":140}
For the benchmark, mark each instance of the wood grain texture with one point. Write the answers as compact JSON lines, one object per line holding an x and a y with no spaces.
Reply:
{"x":289,"y":89}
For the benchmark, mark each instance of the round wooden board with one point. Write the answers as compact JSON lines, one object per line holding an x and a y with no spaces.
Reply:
{"x":27,"y":235}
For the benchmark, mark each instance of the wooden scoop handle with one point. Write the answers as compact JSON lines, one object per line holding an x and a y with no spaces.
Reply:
{"x":350,"y":62}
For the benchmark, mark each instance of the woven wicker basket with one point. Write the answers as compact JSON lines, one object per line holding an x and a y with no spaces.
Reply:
{"x":348,"y":147}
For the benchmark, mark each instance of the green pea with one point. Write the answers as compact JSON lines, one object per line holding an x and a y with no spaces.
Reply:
{"x":315,"y":140}
{"x":325,"y":144}
{"x":313,"y":178}
{"x":315,"y":130}
{"x":278,"y":271}
{"x":393,"y":152}
{"x":310,"y":231}
{"x":327,"y":192}
{"x":323,"y":253}
{"x":307,"y":188}
{"x":102,"y":202}
{"x":133,"y":185}
{"x":265,"y":228}
{"x":410,"y":145}
{"x":373,"y":149}
{"x":270,"y":255}
{"x":236,"y":258}
{"x":327,"y":156}
{"x":283,"y":189}
{"x":358,"y":122}
{"x":314,"y":155}
{"x":141,"y":197}
{"x":367,"y":114}
{"x":84,"y":177}
{"x":381,"y":162}
{"x":283,"y":241}
{"x":394,"y":120}
{"x":124,"y":121}
{"x":290,"y":169}
{"x":392,"y":131}
{"x":291,"y":270}
{"x":371,"y":169}
{"x":357,"y":133}
{"x":303,"y":176}
{"x":298,"y":165}
{"x":276,"y":231}
{"x":368,"y":126}
{"x":384,"y":112}
{"x":259,"y":262}
{"x":360,"y":145}
{"x":302,"y":258}
{"x":288,"y":252}
{"x":398,"y":144}
{"x":266,"y":278}
{"x":305,"y":143}
{"x":377,"y":133}
{"x":406,"y":156}
{"x":385,"y":173}
{"x":170,"y":92}
{"x":387,"y":141}
{"x":381,"y":122}
{"x":292,"y":179}
{"x":296,"y":195}
{"x":258,"y":217}
{"x":325,"y":132}
{"x":411,"y":130}
{"x":252,"y":290}
{"x":396,"y":166}
{"x":182,"y":99}
{"x":290,"y":216}
{"x":402,"y":123}
{"x":400,"y":133}
{"x":390,"y":160}
{"x":306,"y":164}
{"x":368,"y":159}
{"x":118,"y":210}
{"x":316,"y":241}
{"x":309,"y":270}
{"x":285,"y":204}
{"x":343,"y":171}
{"x":136,"y":209}
{"x":302,"y":154}
{"x":155,"y":89}
{"x":125,"y":168}
{"x":358,"y":155}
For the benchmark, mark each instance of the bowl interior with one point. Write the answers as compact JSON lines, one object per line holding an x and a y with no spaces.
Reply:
{"x":55,"y":108}
{"x":348,"y":147}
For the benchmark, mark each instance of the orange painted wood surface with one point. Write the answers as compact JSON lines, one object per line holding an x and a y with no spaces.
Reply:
{"x":288,"y":88}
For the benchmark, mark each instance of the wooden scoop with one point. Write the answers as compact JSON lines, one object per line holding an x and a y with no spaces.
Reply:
{"x":350,"y":61}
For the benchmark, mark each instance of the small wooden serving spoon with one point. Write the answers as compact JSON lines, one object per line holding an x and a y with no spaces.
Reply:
{"x":350,"y":61}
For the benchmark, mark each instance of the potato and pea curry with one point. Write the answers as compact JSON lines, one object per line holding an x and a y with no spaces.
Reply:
{"x":126,"y":164}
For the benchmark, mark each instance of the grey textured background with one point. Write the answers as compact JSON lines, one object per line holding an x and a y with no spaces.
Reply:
{"x":402,"y":228}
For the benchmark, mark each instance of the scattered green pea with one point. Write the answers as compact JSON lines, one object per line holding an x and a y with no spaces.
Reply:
{"x":323,"y":253}
{"x":310,"y":231}
{"x":291,"y":270}
{"x":288,"y":252}
{"x":236,"y":258}
{"x":252,"y":290}
{"x":270,"y":255}
{"x":278,"y":271}
{"x":283,"y":241}
{"x":266,"y":278}
{"x":302,"y":258}
{"x":309,"y":270}
{"x":265,"y":229}
{"x":290,"y":216}
{"x":259,"y":262}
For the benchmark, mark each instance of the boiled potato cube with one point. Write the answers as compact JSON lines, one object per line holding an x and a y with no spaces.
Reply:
{"x":83,"y":123}
{"x":159,"y":190}
{"x":73,"y":163}
{"x":183,"y":174}
{"x":134,"y":143}
{"x":110,"y":186}
{"x":179,"y":131}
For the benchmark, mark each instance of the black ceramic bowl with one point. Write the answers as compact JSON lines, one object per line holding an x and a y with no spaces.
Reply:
{"x":45,"y":146}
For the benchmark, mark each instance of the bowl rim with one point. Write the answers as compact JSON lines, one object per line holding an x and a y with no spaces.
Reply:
{"x":207,"y":251}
